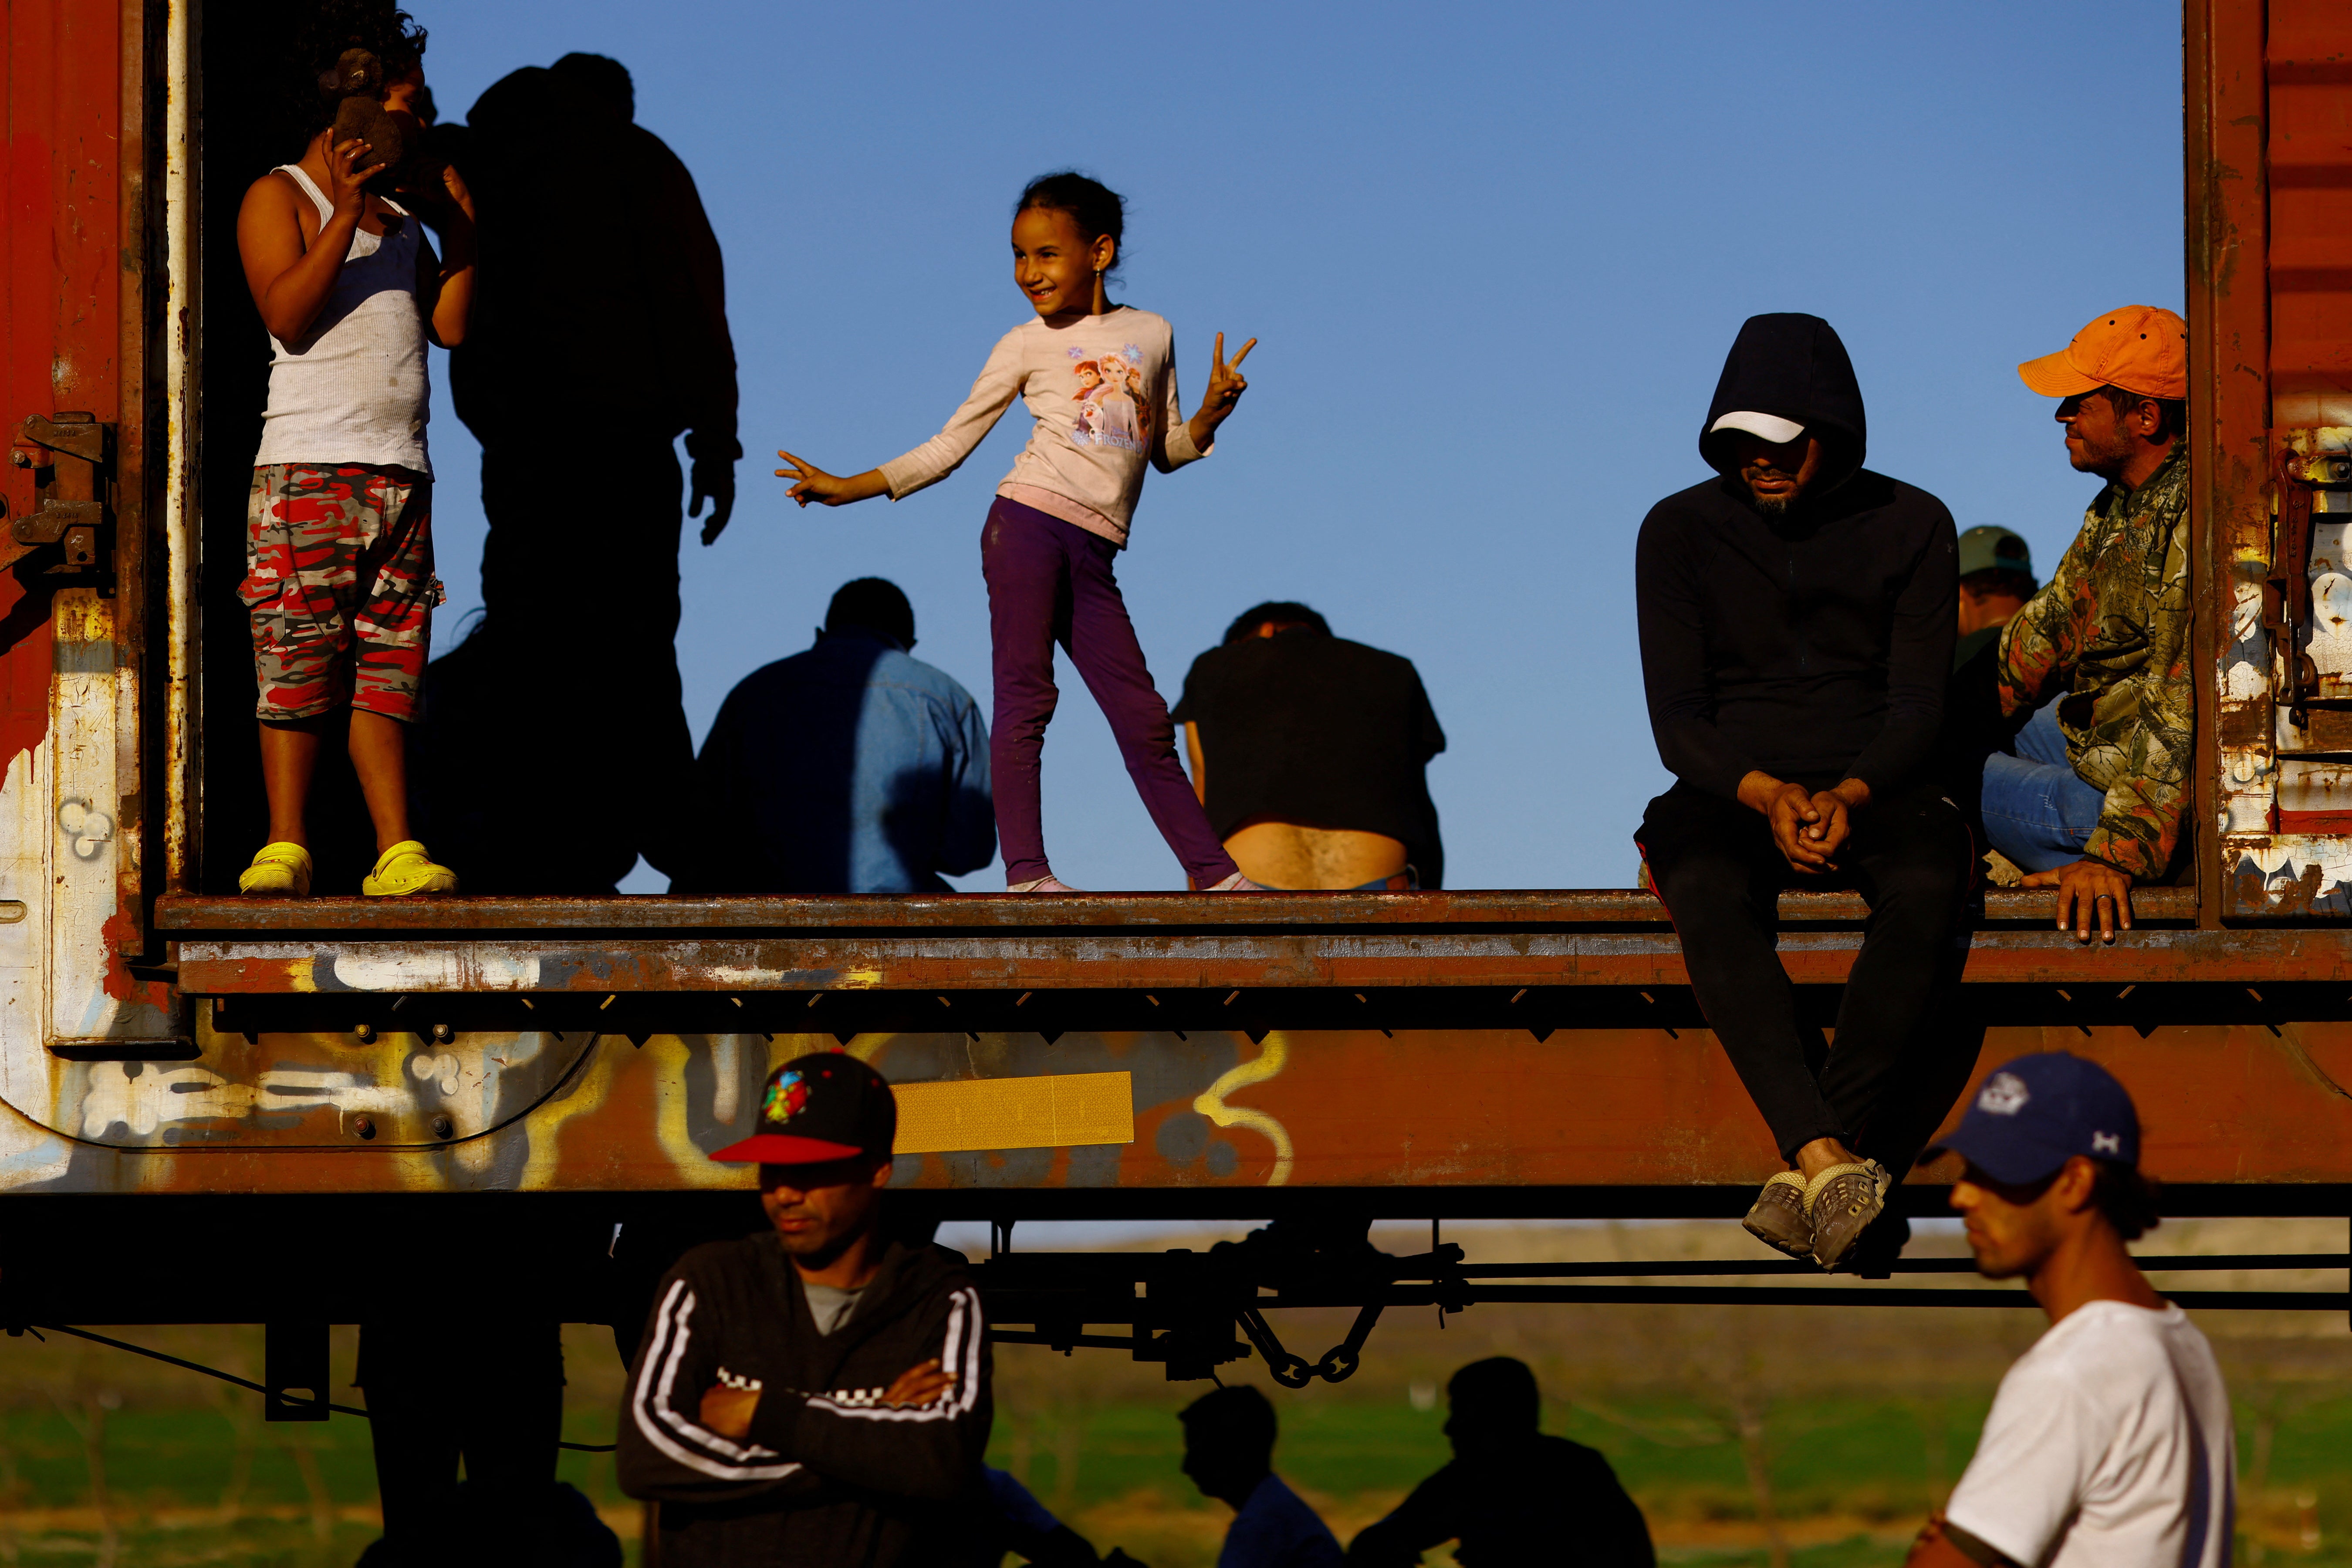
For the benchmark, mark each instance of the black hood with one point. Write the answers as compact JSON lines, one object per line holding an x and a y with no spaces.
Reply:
{"x":1792,"y":366}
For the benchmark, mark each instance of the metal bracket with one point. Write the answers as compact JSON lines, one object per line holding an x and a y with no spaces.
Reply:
{"x":294,"y":1359}
{"x":71,"y":451}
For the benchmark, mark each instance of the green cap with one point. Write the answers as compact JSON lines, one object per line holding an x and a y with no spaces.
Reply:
{"x":1990,"y":547}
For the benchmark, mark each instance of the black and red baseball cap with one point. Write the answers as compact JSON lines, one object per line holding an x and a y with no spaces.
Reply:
{"x":825,"y":1106}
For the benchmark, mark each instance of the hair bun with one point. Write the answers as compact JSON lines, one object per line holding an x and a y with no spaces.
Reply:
{"x":358,"y":80}
{"x":356,"y":74}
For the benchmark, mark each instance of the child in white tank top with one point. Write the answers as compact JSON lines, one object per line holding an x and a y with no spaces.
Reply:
{"x":339,"y":585}
{"x":1100,"y":380}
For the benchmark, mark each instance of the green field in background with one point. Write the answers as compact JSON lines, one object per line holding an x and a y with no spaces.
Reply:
{"x":1867,"y":1468}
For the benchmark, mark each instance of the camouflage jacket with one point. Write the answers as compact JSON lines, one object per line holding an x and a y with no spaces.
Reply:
{"x":2111,"y":628}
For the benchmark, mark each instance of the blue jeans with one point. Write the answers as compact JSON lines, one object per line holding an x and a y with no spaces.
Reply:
{"x":2037,"y":811}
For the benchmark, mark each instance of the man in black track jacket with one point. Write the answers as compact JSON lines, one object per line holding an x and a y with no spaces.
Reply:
{"x":1797,"y":616}
{"x":814,"y":1393}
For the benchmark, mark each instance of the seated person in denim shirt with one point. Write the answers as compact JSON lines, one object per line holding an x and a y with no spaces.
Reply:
{"x":1309,"y":754}
{"x":851,"y":768}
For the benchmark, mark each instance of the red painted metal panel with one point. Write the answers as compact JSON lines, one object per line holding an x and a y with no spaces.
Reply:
{"x":61,"y":271}
{"x":2309,"y":53}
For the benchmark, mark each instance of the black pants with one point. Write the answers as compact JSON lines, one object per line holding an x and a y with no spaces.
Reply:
{"x":492,"y":1395}
{"x":580,"y":589}
{"x":1899,"y":1040}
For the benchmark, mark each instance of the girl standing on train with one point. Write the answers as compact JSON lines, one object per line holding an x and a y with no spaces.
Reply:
{"x":1062,"y":515}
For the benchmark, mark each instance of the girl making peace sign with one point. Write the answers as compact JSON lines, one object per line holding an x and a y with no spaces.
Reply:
{"x":1061,"y":515}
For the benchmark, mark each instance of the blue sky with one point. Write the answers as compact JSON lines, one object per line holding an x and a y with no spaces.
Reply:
{"x":1494,"y":255}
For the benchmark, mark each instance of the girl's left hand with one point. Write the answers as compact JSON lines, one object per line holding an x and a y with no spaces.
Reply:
{"x":1226,"y":383}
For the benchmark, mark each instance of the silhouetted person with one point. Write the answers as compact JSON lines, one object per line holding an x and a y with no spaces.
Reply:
{"x":1512,"y":1496}
{"x":851,"y":768}
{"x":1010,"y":1521}
{"x":607,"y":340}
{"x":1229,"y":1455}
{"x":1309,"y":753}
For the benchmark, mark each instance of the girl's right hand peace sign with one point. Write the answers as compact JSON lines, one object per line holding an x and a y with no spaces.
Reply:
{"x":1226,"y":384}
{"x":813,"y":484}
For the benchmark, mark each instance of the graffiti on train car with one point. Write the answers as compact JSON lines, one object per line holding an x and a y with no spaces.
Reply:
{"x":493,"y":1111}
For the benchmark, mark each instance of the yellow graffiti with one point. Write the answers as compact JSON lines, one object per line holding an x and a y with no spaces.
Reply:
{"x":543,"y":1124}
{"x":1212,"y":1104}
{"x":667,"y":1055}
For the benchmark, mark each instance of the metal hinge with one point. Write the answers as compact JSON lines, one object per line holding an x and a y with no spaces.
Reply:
{"x":67,"y":455}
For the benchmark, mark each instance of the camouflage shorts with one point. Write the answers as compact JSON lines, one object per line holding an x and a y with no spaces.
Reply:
{"x":338,"y":587}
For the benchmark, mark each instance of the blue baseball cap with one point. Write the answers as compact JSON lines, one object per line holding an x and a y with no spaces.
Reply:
{"x":2038,"y":1111}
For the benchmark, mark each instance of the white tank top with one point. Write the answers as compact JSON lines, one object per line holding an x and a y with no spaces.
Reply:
{"x":353,"y":389}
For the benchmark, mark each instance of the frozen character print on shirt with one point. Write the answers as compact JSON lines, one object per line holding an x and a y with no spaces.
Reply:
{"x":1113,"y":410}
{"x":1089,"y":376}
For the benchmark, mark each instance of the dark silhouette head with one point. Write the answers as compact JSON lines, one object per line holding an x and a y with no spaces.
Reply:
{"x":1228,"y":1443}
{"x":873,"y":605}
{"x":1281,"y":612}
{"x":1493,"y":1401}
{"x":601,"y":79}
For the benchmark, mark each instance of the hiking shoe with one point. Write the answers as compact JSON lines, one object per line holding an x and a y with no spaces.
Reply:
{"x":405,"y":868}
{"x":1048,"y":883}
{"x":1842,"y":1201}
{"x":1779,"y":1219}
{"x":1237,"y":883}
{"x":280,"y":871}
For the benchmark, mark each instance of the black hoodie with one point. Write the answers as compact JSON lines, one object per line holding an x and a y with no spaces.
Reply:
{"x":828,"y":1474}
{"x":1814,"y":646}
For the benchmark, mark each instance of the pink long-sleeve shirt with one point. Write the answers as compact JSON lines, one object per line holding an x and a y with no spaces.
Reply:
{"x":1103,"y":389}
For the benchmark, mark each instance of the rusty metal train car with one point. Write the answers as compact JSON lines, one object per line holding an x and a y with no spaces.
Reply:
{"x":222,"y":1109}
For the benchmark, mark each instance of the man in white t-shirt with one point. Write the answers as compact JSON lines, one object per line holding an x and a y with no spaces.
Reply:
{"x":2109,"y":1445}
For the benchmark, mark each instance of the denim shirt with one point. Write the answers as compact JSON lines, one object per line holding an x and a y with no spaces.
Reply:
{"x":851,"y":768}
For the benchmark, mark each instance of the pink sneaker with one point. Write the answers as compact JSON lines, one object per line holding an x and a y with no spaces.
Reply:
{"x":1048,"y":883}
{"x":1237,"y":883}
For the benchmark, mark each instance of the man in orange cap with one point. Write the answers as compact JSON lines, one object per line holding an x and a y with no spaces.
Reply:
{"x":2088,"y":797}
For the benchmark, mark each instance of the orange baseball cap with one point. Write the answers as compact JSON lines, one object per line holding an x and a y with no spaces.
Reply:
{"x":2138,"y":348}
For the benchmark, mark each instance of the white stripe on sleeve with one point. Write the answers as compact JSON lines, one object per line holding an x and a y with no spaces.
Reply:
{"x":721,"y":1457}
{"x":959,"y":1353}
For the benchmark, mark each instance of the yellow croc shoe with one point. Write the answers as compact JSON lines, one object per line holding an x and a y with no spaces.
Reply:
{"x":281,"y":871}
{"x":405,"y":868}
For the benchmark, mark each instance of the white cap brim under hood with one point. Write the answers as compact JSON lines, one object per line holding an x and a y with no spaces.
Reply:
{"x":1770,"y":427}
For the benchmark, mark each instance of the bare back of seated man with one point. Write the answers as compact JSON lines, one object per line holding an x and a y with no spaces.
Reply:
{"x":1365,"y":761}
{"x":1300,"y":854}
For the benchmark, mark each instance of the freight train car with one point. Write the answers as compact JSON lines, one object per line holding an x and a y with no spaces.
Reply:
{"x":214,"y":1109}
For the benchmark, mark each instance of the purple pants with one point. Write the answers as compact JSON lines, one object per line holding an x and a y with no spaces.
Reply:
{"x":1051,"y":582}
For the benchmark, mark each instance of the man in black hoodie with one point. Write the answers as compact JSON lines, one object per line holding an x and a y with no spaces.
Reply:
{"x":814,"y":1392}
{"x":1797,"y":619}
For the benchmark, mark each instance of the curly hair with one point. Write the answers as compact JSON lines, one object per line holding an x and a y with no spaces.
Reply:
{"x":325,"y":29}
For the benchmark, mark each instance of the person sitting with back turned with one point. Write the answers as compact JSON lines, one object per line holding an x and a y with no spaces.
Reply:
{"x":851,"y":768}
{"x":2109,"y":1442}
{"x":1309,"y":753}
{"x":1229,"y":1453}
{"x":2088,"y":798}
{"x":1796,"y":622}
{"x":1996,"y":580}
{"x":1512,"y":1494}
